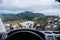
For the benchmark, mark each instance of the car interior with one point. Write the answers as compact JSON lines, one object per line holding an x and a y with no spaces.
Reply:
{"x":29,"y":19}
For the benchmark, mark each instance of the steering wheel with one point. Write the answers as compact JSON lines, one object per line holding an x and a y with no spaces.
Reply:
{"x":23,"y":35}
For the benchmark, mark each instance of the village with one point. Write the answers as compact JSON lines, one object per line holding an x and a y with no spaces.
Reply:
{"x":52,"y":24}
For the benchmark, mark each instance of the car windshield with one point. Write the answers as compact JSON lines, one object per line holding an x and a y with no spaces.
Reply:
{"x":42,"y":15}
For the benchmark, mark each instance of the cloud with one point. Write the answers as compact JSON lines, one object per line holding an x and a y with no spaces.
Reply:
{"x":15,"y":6}
{"x":51,"y":11}
{"x":6,"y":12}
{"x":27,"y":3}
{"x":1,"y":1}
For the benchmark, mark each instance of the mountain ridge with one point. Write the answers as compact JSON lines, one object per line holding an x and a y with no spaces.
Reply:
{"x":23,"y":15}
{"x":29,"y":14}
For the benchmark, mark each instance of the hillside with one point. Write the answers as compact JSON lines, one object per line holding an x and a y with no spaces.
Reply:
{"x":28,"y":14}
{"x":7,"y":15}
{"x":22,"y":15}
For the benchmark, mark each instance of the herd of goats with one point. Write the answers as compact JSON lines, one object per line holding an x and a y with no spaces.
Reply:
{"x":27,"y":25}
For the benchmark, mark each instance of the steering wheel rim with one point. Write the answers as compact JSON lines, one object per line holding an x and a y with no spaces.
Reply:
{"x":24,"y":32}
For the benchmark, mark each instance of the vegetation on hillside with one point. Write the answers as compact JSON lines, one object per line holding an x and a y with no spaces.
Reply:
{"x":42,"y":20}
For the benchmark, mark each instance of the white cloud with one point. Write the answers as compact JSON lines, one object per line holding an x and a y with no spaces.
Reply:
{"x":7,"y":11}
{"x":15,"y":6}
{"x":26,"y":3}
{"x":51,"y":12}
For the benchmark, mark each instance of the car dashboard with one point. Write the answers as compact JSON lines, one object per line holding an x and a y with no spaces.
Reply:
{"x":28,"y":34}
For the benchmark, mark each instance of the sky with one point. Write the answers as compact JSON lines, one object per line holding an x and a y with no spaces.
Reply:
{"x":47,"y":7}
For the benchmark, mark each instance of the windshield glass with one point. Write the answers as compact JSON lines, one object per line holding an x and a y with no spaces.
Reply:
{"x":41,"y":15}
